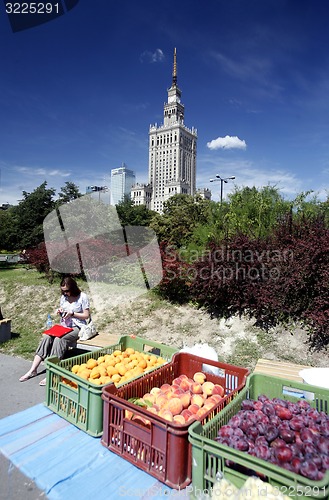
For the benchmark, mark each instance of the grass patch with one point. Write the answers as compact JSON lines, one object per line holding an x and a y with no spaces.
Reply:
{"x":245,"y":353}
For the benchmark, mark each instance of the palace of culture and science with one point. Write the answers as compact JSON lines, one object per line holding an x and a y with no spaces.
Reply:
{"x":172,"y":159}
{"x":172,"y":155}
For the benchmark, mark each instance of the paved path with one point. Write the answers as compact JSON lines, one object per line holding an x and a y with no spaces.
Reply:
{"x":15,"y":397}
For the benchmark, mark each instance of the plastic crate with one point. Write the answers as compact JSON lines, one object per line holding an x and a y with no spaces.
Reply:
{"x":209,"y":456}
{"x":82,"y":403}
{"x":161,"y":448}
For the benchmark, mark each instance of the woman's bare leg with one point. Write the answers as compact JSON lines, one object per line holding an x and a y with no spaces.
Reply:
{"x":33,"y":370}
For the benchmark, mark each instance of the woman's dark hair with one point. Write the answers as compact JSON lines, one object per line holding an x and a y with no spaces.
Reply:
{"x":71,"y":285}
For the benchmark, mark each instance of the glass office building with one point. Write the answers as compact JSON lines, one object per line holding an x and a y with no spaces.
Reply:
{"x":122,"y":180}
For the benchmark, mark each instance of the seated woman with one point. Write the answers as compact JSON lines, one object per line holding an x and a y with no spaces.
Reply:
{"x":74,"y":311}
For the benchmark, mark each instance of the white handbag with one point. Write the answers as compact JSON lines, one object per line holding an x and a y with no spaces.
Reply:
{"x":87,"y":331}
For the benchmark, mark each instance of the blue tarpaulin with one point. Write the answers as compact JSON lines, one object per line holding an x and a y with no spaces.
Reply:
{"x":65,"y":462}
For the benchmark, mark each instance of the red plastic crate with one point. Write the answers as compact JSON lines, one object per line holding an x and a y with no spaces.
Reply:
{"x":162,"y":448}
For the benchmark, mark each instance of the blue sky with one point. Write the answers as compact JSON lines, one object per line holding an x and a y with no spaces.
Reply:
{"x":77,"y":94}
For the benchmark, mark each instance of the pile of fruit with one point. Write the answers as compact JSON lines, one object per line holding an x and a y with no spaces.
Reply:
{"x":292,"y":435}
{"x":118,"y":367}
{"x":252,"y":489}
{"x":182,"y":401}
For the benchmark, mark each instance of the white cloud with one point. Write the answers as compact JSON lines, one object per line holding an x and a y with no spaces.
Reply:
{"x":227,"y":142}
{"x":152,"y":57}
{"x":41,"y":172}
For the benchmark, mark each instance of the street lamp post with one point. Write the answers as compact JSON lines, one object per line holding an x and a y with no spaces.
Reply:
{"x":222,"y":180}
{"x":99,"y":189}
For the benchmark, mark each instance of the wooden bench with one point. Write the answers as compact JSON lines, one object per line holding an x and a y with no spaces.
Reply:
{"x":99,"y":341}
{"x":281,"y":369}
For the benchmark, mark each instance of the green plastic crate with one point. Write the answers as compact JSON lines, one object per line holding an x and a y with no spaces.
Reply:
{"x":82,"y":405}
{"x":209,"y":456}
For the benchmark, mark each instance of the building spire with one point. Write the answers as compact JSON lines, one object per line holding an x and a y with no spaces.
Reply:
{"x":174,"y":73}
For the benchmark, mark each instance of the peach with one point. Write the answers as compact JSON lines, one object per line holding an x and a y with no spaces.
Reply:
{"x":166,"y":414}
{"x":209,"y":405}
{"x":149,"y":397}
{"x":216,"y":397}
{"x":175,"y":406}
{"x":165,"y":387}
{"x":212,"y":400}
{"x":186,"y":414}
{"x":207,"y":388}
{"x":176,"y":381}
{"x":197,"y":399}
{"x":201,"y":413}
{"x":196,"y":388}
{"x":179,"y":419}
{"x":218,"y":389}
{"x":199,"y":377}
{"x":183,"y":376}
{"x":185,"y":384}
{"x":178,"y":391}
{"x":152,"y":409}
{"x":161,"y":400}
{"x":185,"y":399}
{"x":155,"y":390}
{"x":141,"y":420}
{"x":128,"y":414}
{"x":193,"y":408}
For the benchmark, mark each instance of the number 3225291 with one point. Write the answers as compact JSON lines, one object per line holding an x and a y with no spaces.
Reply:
{"x":31,"y":8}
{"x":306,"y":491}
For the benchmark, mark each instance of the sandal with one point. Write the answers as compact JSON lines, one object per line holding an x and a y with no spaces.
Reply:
{"x":27,"y":376}
{"x":43,"y":382}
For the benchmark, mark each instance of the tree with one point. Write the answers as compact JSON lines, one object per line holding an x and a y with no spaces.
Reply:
{"x":255,"y":212}
{"x":68,"y":192}
{"x":8,"y":232}
{"x":29,"y":215}
{"x":133,"y":215}
{"x":181,"y":214}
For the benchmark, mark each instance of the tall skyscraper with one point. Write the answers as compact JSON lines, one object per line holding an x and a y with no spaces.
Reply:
{"x":172,"y":151}
{"x":122,"y":180}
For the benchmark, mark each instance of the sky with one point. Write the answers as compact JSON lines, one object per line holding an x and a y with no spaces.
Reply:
{"x":78,"y":93}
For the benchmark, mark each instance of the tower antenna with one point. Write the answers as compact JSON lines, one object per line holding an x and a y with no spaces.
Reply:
{"x":174,"y":73}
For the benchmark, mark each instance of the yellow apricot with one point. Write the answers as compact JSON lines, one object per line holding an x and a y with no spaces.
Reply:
{"x":111,"y":362}
{"x":116,"y":378}
{"x":121,"y":369}
{"x":95,"y":381}
{"x":110,"y":370}
{"x":142,"y":363}
{"x":91,"y":363}
{"x":102,"y":370}
{"x":138,"y":370}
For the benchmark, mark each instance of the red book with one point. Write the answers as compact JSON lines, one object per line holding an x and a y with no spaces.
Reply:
{"x":58,"y":331}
